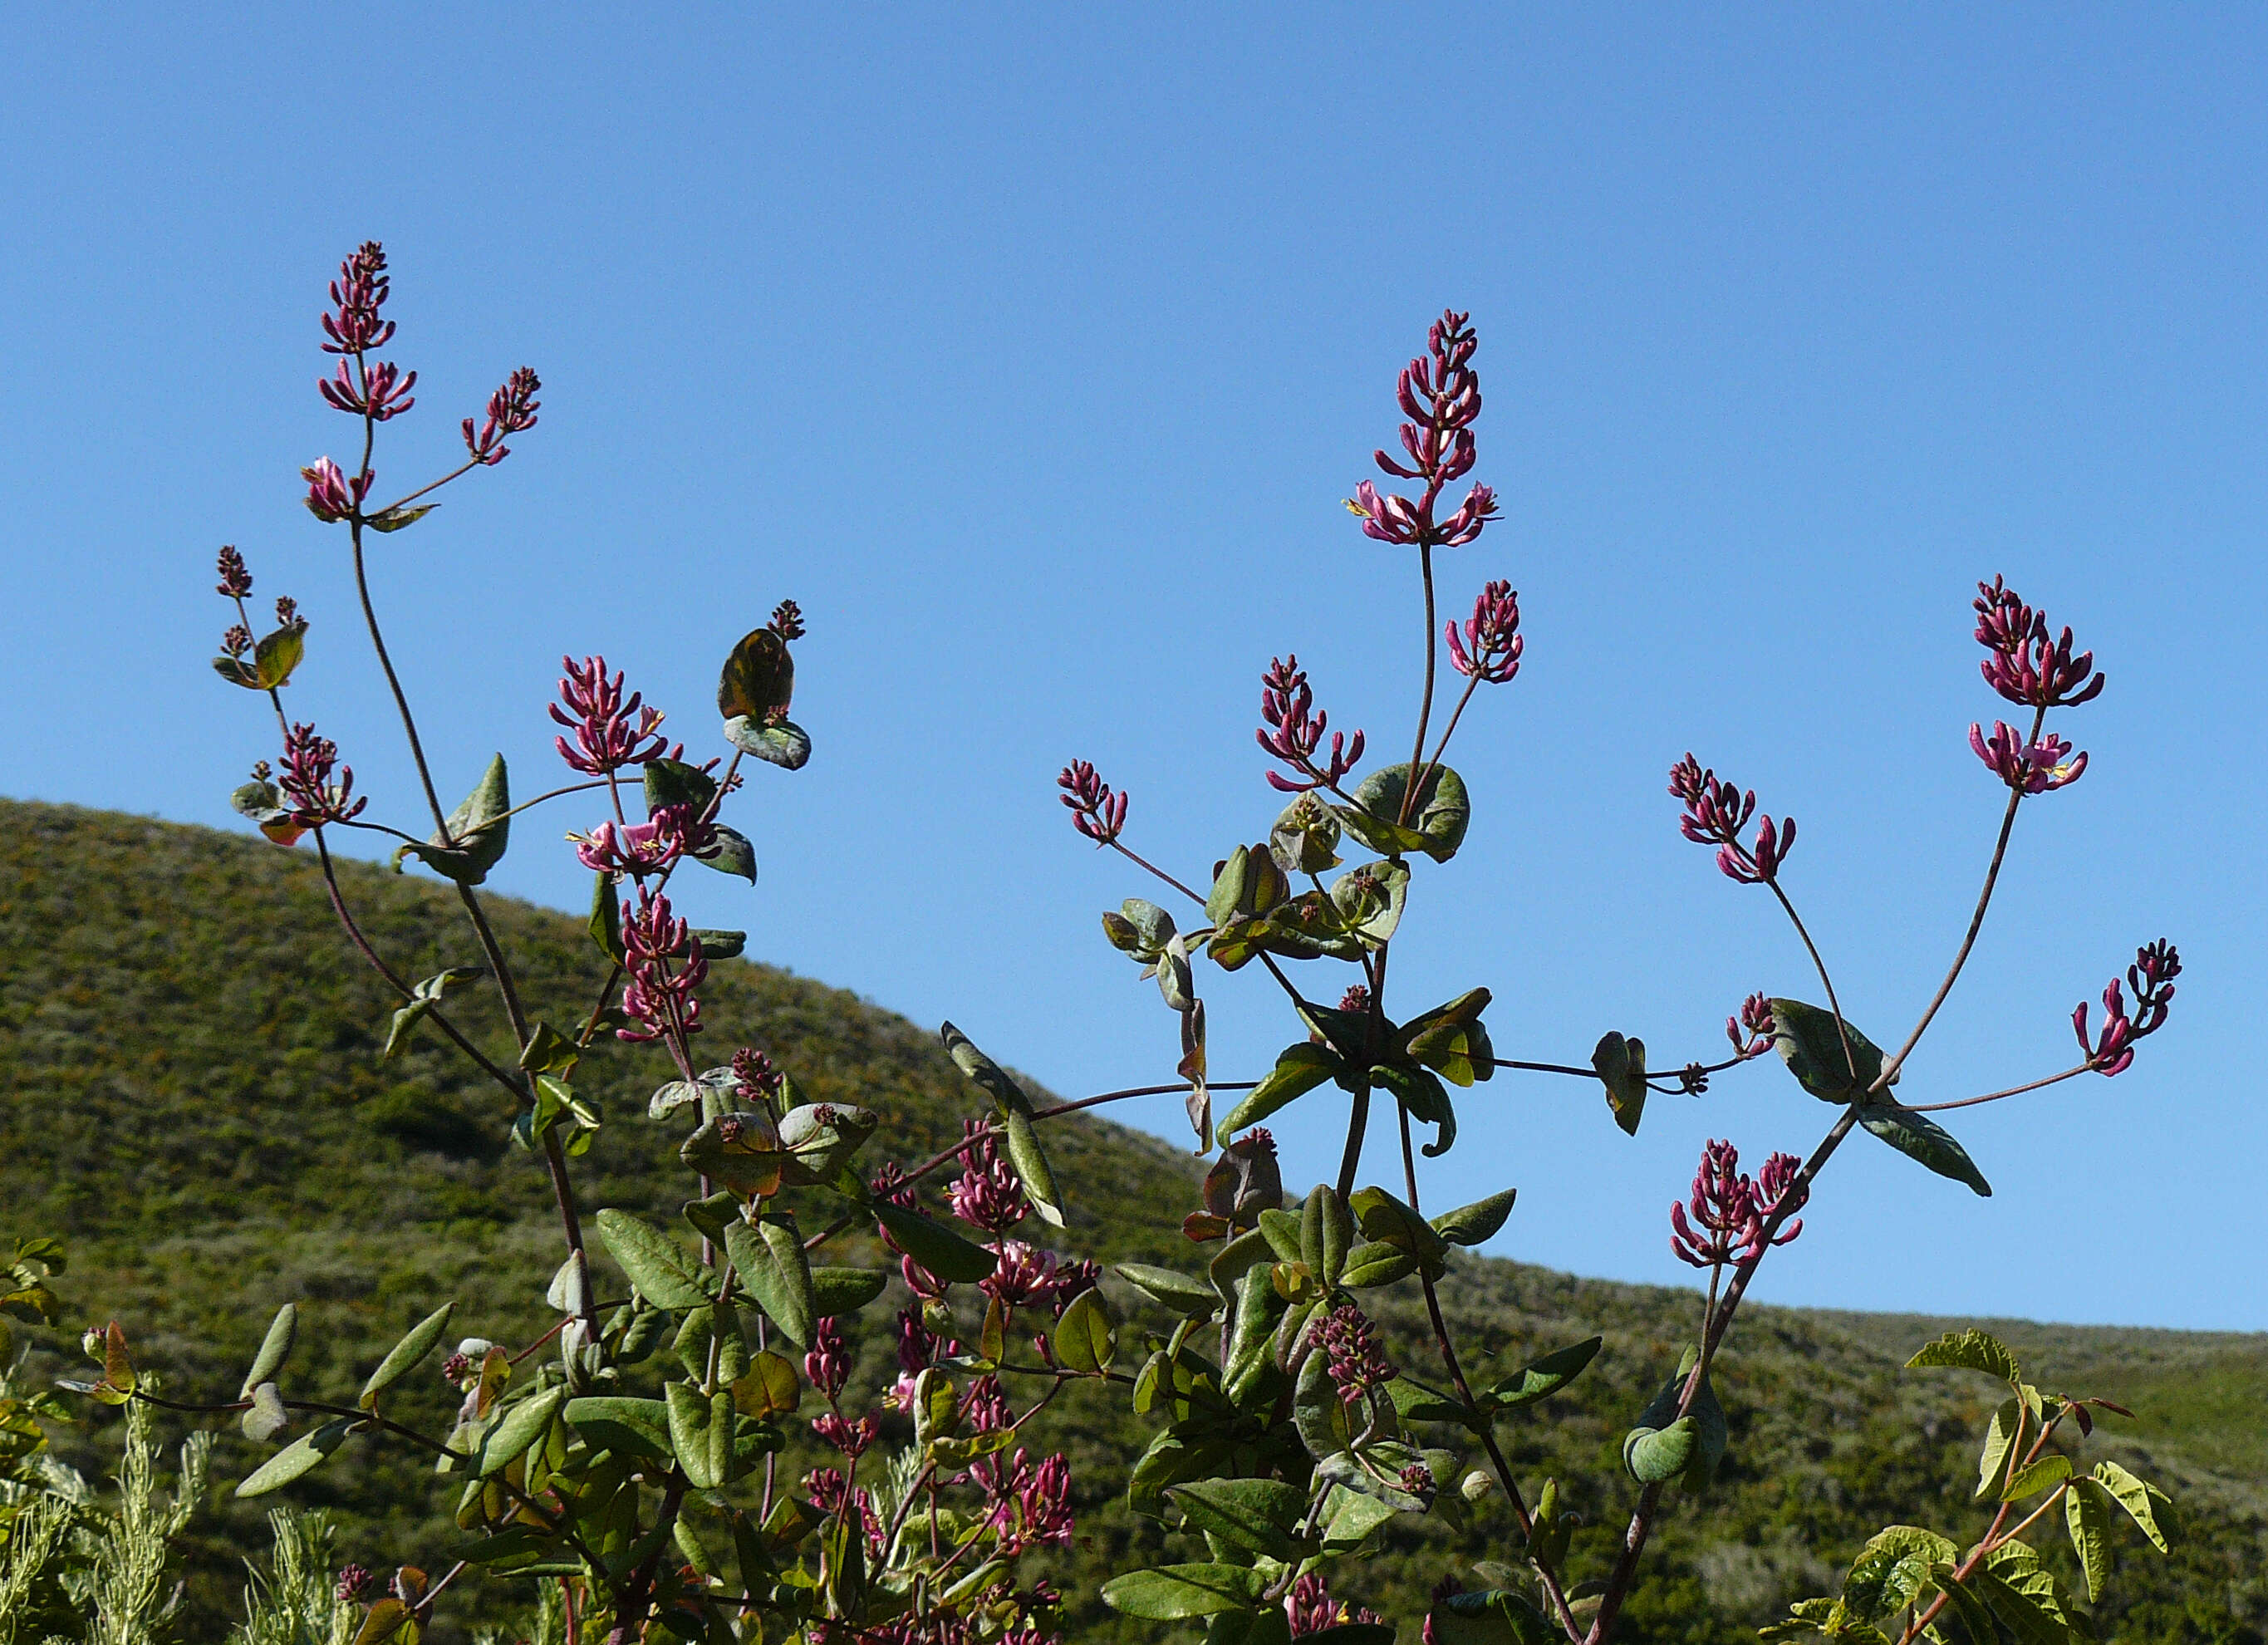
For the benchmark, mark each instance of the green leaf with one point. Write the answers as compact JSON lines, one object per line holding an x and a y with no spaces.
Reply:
{"x":786,"y":745}
{"x":1306,"y":837}
{"x":1257,"y":1516}
{"x":301,"y":1455}
{"x":768,"y":1388}
{"x":415,"y":1345}
{"x":1032,"y":1168}
{"x":1348,"y":1516}
{"x":521,"y":1427}
{"x":2050,"y":1471}
{"x":1299,"y":1070}
{"x":391,"y":520}
{"x":275,"y":656}
{"x":1086,"y":1341}
{"x":615,"y":1422}
{"x":1437,"y":820}
{"x":1470,"y":1225}
{"x":1543,"y":1377}
{"x":838,"y":1293}
{"x":1969,"y":1351}
{"x":1807,"y":1041}
{"x":1489,"y":1617}
{"x":1919,"y":1137}
{"x":1963,"y":1602}
{"x":2086,"y":1516}
{"x":1424,"y":1095}
{"x":656,"y":1265}
{"x":1415,"y":1402}
{"x":2025,"y":1619}
{"x":2138,"y":1497}
{"x":2000,"y":1438}
{"x":820,"y":1138}
{"x":266,"y":1417}
{"x":758,"y":678}
{"x":731,"y":854}
{"x":935,"y":1246}
{"x":675,"y":783}
{"x":776,"y":1272}
{"x":1892,"y":1571}
{"x":1181,"y":1292}
{"x":1371,"y":899}
{"x":605,"y":922}
{"x":1653,"y":1455}
{"x":720,"y":945}
{"x":424,"y":995}
{"x":1376,"y":1263}
{"x":389,"y":1621}
{"x":1621,"y":1065}
{"x":1007,"y":1097}
{"x":700,"y":1434}
{"x":275,"y":1348}
{"x":482,"y":827}
{"x":1173,"y":1593}
{"x":1383,"y":1217}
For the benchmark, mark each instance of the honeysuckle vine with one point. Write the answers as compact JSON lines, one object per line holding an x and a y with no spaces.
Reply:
{"x":1323,"y":1455}
{"x":630,"y":1454}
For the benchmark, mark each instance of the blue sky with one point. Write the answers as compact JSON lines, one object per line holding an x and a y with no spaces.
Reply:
{"x":1033,"y":356}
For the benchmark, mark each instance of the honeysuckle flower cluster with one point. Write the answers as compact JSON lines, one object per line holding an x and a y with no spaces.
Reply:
{"x":651,"y":847}
{"x":1353,"y":1358}
{"x":1717,"y":812}
{"x":334,"y":495}
{"x":1289,"y":731}
{"x":1488,"y":644}
{"x":1096,"y":810}
{"x":2150,"y":977}
{"x":512,"y":410}
{"x":1440,"y":395}
{"x":305,"y":780}
{"x":1730,"y":1209}
{"x":2024,"y":664}
{"x":987,"y":1194}
{"x":235,"y":577}
{"x":663,"y":958}
{"x":828,"y":1364}
{"x":1030,"y":1503}
{"x":1310,"y":1609}
{"x":1751,"y":1031}
{"x":612,"y":731}
{"x":2033,"y":768}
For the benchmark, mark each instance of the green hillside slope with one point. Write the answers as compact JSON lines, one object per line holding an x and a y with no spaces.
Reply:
{"x":191,"y":1094}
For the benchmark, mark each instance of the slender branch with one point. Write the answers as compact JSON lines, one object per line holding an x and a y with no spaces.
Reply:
{"x":1842,"y":1032}
{"x":1472,"y":683}
{"x":1994,"y":1096}
{"x":1142,"y":862}
{"x":394,"y":680}
{"x":1425,"y":701}
{"x":457,"y":473}
{"x":1976,"y":924}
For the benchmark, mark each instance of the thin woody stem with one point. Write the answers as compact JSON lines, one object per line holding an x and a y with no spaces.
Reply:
{"x":1485,"y":1427}
{"x":1994,"y":1096}
{"x":1842,"y":1033}
{"x":1976,"y":923}
{"x":1425,"y":701}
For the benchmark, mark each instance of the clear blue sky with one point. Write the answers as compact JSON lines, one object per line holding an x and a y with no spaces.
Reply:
{"x":1034,"y":354}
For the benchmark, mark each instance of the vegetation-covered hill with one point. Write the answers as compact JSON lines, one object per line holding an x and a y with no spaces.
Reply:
{"x":191,"y":1094}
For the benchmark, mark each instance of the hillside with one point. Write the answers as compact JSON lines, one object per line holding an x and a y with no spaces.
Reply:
{"x":195,"y":1100}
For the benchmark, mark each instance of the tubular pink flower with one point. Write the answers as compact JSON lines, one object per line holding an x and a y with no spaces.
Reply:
{"x":2025,"y":665}
{"x":2152,"y":978}
{"x":1729,"y":1210}
{"x":612,"y":732}
{"x":988,"y":1194}
{"x":1751,"y":1032}
{"x":1096,"y":811}
{"x":305,"y":780}
{"x":354,"y":324}
{"x":1439,"y":393}
{"x":828,"y":1364}
{"x":659,"y":996}
{"x":382,"y":391}
{"x":1716,"y":812}
{"x":512,"y":410}
{"x":1488,"y":642}
{"x":2033,"y":769}
{"x":235,"y":577}
{"x":332,"y":495}
{"x":1290,"y":732}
